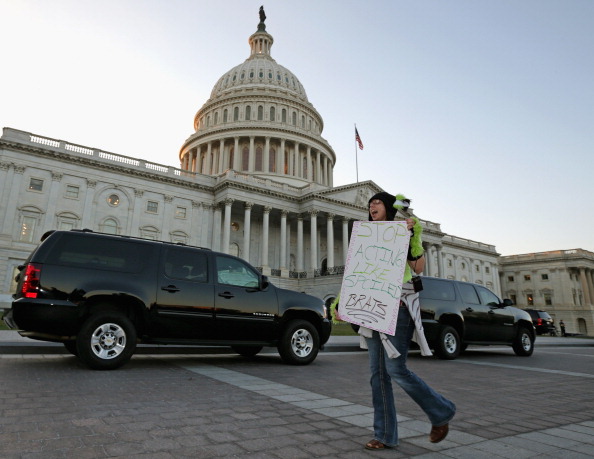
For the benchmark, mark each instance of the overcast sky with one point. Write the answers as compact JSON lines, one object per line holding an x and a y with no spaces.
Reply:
{"x":480,"y":111}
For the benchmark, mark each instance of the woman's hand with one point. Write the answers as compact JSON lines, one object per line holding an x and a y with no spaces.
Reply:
{"x":410,"y":223}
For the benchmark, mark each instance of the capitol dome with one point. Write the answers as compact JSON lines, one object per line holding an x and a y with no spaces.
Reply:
{"x":259,"y":121}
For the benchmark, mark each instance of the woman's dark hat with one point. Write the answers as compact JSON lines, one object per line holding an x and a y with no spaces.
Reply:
{"x":388,"y":200}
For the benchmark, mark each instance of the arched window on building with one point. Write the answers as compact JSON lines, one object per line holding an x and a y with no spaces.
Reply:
{"x":258,"y":165}
{"x":149,"y":232}
{"x":216,"y":118}
{"x":29,"y":221}
{"x":234,"y":249}
{"x":303,"y":121}
{"x":284,"y":115}
{"x":272,"y":160}
{"x":272,"y":114}
{"x":109,"y":226}
{"x":248,"y":113}
{"x":68,"y":221}
{"x":208,"y":121}
{"x":236,"y":114}
{"x":245,"y":158}
{"x":225,"y":116}
{"x":294,"y":119}
{"x":260,"y":112}
{"x":179,"y":236}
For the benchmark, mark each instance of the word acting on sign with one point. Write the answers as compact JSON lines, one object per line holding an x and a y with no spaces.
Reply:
{"x":374,"y":269}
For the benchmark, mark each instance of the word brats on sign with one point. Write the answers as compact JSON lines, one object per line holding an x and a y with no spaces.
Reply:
{"x":374,"y":269}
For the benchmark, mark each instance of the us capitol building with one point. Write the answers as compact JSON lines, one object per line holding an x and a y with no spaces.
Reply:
{"x":255,"y":180}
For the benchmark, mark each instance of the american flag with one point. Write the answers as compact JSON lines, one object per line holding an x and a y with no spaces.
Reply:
{"x":358,"y":139}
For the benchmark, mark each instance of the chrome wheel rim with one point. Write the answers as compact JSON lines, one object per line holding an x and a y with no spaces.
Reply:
{"x":302,"y":343}
{"x":108,"y":341}
{"x":450,"y":344}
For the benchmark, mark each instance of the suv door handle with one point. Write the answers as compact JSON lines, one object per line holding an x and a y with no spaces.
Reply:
{"x":226,"y":295}
{"x":469,"y":309}
{"x":170,"y":289}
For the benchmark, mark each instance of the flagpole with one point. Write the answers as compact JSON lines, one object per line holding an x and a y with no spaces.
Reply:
{"x":356,"y":156}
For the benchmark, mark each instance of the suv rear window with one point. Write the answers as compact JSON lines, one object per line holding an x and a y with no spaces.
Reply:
{"x":99,"y":253}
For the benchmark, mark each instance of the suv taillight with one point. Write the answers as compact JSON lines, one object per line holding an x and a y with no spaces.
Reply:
{"x":539,"y":321}
{"x":30,"y":287}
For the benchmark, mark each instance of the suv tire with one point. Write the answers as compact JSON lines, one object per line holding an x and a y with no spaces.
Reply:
{"x":299,"y":343}
{"x":523,"y":344}
{"x":106,"y":341}
{"x":448,"y":345}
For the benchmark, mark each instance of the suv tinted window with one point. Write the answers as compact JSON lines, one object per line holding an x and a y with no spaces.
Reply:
{"x":488,"y":297}
{"x":468,"y":294}
{"x":437,"y":290}
{"x":186,"y":264}
{"x":99,"y":253}
{"x":231,"y":271}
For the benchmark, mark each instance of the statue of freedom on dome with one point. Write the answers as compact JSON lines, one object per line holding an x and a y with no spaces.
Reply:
{"x":262,"y":14}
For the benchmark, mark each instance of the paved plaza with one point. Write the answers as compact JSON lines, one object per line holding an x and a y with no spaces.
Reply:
{"x":224,"y":406}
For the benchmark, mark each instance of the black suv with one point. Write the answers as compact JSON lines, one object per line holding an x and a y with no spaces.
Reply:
{"x":542,"y":321}
{"x":456,"y":314}
{"x":101,"y":294}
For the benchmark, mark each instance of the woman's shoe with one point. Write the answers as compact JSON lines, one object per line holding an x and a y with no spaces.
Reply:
{"x":438,"y":433}
{"x":374,"y":444}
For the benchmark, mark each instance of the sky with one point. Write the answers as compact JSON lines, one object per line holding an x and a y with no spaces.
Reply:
{"x":480,"y":111}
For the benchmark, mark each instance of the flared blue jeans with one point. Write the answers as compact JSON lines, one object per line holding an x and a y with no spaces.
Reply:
{"x":439,"y":409}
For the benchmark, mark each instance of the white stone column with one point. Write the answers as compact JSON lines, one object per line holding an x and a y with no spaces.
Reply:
{"x":428,"y":258}
{"x":440,"y":271}
{"x":167,"y":217}
{"x":221,"y":158}
{"x":585,"y":288}
{"x":283,"y":239}
{"x":236,"y":155}
{"x":216,"y":228}
{"x":297,"y":162}
{"x":345,"y":240}
{"x":265,"y":233}
{"x":590,"y":284}
{"x":227,"y":225}
{"x":16,"y":179}
{"x":208,"y":167}
{"x":330,"y":240}
{"x":496,"y":281}
{"x":318,"y":168}
{"x":136,"y":209}
{"x":266,"y":165}
{"x":87,"y":217}
{"x":246,"y":230}
{"x":309,"y":168}
{"x":196,"y":223}
{"x":300,"y":243}
{"x":313,"y":240}
{"x":281,"y":158}
{"x":252,"y":157}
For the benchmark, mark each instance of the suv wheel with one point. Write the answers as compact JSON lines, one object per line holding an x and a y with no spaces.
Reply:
{"x":247,"y":351}
{"x":106,"y":341}
{"x":299,"y":343}
{"x":523,"y":344}
{"x":448,"y":344}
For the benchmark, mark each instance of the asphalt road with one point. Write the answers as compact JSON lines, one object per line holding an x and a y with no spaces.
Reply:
{"x":221,"y":405}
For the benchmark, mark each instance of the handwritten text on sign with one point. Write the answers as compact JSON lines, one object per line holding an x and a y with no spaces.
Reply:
{"x":374,"y":269}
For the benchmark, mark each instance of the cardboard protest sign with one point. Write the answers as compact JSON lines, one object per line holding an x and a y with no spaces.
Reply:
{"x":374,"y":269}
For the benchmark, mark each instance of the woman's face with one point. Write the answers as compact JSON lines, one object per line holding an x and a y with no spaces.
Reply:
{"x":377,"y":210}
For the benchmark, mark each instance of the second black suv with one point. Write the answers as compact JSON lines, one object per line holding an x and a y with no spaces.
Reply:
{"x":456,"y":314}
{"x":542,"y":321}
{"x":101,"y":294}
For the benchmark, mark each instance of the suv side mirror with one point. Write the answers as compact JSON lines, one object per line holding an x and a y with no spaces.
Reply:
{"x":265,"y":283}
{"x":508,"y":302}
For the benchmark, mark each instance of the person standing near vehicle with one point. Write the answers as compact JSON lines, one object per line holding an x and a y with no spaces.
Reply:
{"x":562,"y":327}
{"x":387,"y":354}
